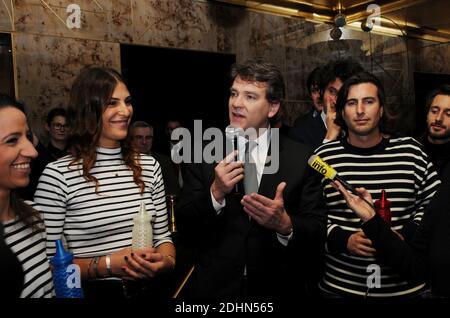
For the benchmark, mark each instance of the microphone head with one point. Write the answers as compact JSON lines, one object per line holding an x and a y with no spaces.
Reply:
{"x":322,"y":167}
{"x":232,"y":132}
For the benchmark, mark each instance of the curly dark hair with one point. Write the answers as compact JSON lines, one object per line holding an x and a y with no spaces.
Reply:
{"x":342,"y":69}
{"x":90,"y":94}
{"x":23,"y":211}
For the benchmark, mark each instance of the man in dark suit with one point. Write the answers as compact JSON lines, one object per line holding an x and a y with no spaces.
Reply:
{"x":268,"y":241}
{"x":318,"y":126}
{"x":309,"y":128}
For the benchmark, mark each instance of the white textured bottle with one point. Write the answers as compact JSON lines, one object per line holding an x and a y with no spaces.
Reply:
{"x":142,"y":229}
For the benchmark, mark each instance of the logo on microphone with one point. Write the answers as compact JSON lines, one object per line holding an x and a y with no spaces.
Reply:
{"x":319,"y":167}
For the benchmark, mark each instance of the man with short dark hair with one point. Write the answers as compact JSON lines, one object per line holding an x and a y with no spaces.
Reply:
{"x":436,"y":140}
{"x":267,"y":241}
{"x":315,"y":130}
{"x":56,"y":148}
{"x":365,"y":158}
{"x":312,"y":85}
{"x":141,"y":136}
{"x":308,"y":127}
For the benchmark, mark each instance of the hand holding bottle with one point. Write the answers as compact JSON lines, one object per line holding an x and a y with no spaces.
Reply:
{"x":130,"y":264}
{"x":147,"y":263}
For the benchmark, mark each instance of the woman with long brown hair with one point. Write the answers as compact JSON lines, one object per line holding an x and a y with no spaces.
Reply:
{"x":24,"y":266}
{"x":91,"y":196}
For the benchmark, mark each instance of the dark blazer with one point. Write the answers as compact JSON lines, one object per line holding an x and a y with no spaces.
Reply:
{"x":439,"y":154}
{"x":427,"y":257}
{"x":229,"y":241}
{"x":309,"y":130}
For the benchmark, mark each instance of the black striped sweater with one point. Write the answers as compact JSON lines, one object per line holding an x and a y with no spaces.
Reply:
{"x":398,"y":166}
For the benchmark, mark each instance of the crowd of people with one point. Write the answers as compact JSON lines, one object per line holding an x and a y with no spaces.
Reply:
{"x":251,"y":231}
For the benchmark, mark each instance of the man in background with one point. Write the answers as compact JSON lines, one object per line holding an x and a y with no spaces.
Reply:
{"x":56,"y":148}
{"x":141,"y":135}
{"x":436,"y":140}
{"x":315,"y":130}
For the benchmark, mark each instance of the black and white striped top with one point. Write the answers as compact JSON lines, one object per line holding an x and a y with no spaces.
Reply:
{"x":28,"y":244}
{"x":398,"y":166}
{"x":94,"y":224}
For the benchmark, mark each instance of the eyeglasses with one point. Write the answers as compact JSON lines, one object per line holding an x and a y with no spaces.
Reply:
{"x":58,"y":126}
{"x":140,"y":138}
{"x":314,"y":88}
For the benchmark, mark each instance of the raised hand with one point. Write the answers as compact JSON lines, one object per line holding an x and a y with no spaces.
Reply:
{"x":354,"y":202}
{"x":267,"y":212}
{"x":333,"y":130}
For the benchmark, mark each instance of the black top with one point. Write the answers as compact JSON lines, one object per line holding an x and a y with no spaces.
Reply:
{"x":439,"y":154}
{"x":309,"y":130}
{"x":12,"y":276}
{"x":45,"y":156}
{"x":428,"y":254}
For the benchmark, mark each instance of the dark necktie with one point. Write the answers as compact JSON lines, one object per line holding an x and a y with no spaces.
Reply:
{"x":250,"y":176}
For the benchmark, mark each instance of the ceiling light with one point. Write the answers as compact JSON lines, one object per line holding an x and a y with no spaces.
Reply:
{"x":340,"y":20}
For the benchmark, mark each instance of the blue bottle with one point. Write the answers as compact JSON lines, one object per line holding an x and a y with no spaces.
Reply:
{"x":66,"y":275}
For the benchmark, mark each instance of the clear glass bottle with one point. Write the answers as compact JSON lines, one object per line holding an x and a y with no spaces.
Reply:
{"x":142,"y":230}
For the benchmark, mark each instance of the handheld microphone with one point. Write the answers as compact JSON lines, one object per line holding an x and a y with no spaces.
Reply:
{"x":232,"y":133}
{"x":323,"y":168}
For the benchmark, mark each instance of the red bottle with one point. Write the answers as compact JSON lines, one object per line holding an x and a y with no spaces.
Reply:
{"x":383,"y":207}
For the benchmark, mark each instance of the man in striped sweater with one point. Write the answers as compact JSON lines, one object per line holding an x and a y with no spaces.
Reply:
{"x":366,"y":157}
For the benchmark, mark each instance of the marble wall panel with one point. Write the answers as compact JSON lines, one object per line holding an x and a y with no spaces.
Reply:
{"x":196,"y":28}
{"x":228,"y":21}
{"x":181,"y":24}
{"x":49,"y":54}
{"x":100,"y":20}
{"x":47,"y":65}
{"x":6,"y":16}
{"x":434,"y":59}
